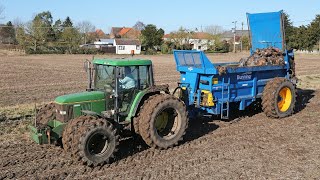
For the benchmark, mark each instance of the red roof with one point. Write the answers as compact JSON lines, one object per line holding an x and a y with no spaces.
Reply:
{"x":201,"y":35}
{"x":124,"y":31}
{"x":166,"y":36}
{"x":100,"y":32}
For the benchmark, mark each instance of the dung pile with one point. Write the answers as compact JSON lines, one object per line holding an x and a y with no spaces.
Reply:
{"x":263,"y":57}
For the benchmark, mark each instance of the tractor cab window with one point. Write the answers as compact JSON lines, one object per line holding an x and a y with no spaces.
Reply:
{"x":129,"y":78}
{"x":104,"y":77}
{"x":128,"y":86}
{"x":144,"y":77}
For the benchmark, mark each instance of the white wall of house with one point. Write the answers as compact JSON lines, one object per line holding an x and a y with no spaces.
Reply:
{"x":201,"y":44}
{"x":126,"y":49}
{"x":98,"y":44}
{"x":197,"y":44}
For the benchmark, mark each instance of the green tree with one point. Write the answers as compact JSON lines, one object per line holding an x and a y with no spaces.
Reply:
{"x":57,"y":27}
{"x":313,"y":34}
{"x":151,"y":37}
{"x":289,"y":30}
{"x":40,"y":29}
{"x":245,"y":43}
{"x":67,"y":22}
{"x":7,"y":33}
{"x":70,"y":35}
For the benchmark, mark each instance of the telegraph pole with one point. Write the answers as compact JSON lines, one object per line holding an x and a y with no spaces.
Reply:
{"x":241,"y":37}
{"x":234,"y":36}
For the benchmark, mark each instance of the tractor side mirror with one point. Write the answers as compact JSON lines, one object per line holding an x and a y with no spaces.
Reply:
{"x":86,"y":65}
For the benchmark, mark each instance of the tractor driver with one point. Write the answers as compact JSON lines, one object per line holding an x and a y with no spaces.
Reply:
{"x":128,"y":81}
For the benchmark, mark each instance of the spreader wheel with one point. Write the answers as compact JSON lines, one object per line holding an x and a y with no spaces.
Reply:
{"x":278,"y":98}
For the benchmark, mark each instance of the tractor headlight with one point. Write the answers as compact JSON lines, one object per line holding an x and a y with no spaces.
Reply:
{"x":63,"y":112}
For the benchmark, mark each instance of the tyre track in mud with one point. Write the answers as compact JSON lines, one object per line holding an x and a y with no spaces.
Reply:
{"x":250,"y":147}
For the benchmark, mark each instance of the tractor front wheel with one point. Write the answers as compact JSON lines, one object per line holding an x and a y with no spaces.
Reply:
{"x":163,"y":121}
{"x":91,"y":140}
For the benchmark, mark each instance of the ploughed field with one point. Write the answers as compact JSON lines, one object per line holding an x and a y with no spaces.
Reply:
{"x":250,"y":145}
{"x":40,"y":78}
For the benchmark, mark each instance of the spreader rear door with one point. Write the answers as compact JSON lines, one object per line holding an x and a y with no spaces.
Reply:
{"x":266,"y":30}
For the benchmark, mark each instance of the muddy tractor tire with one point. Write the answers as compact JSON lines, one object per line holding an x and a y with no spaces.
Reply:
{"x":163,"y":121}
{"x":279,"y":98}
{"x":45,"y":114}
{"x":70,"y":129}
{"x":91,"y":140}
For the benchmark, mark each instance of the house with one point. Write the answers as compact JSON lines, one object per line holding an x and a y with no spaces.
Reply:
{"x":124,"y":32}
{"x":198,"y":40}
{"x":229,"y":35}
{"x":201,"y":41}
{"x":100,"y":33}
{"x":127,"y":46}
{"x":104,"y":43}
{"x":114,"y":33}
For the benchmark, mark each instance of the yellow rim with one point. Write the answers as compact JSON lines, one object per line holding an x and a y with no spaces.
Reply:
{"x":284,"y":99}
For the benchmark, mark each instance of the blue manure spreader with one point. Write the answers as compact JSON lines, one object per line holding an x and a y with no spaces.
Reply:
{"x":267,"y":75}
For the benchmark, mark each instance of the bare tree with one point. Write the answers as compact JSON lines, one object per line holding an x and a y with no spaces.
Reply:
{"x":213,"y":29}
{"x":1,"y":12}
{"x":139,"y":26}
{"x":181,"y":37}
{"x":17,"y":22}
{"x":85,"y":27}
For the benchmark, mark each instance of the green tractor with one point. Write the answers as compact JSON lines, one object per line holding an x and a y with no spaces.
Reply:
{"x":121,"y":97}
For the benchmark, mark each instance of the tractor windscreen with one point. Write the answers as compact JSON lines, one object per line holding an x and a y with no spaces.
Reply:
{"x":104,"y":77}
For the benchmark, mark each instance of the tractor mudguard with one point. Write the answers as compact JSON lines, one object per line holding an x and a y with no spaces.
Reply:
{"x":138,"y":100}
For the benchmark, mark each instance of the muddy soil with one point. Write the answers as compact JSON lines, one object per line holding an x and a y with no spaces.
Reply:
{"x":249,"y":146}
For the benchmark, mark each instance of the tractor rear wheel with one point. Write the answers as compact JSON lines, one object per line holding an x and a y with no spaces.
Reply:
{"x":163,"y":121}
{"x":278,"y":98}
{"x":45,"y":114}
{"x":91,"y":140}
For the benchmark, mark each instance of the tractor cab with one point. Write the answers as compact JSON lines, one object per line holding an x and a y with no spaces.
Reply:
{"x":121,"y":80}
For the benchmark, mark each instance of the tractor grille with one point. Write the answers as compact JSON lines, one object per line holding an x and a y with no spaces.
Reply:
{"x":64,"y":117}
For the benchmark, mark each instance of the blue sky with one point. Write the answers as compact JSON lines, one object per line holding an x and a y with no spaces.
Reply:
{"x":167,"y":14}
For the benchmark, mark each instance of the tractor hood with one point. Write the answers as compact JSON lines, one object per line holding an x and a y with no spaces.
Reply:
{"x":81,"y":97}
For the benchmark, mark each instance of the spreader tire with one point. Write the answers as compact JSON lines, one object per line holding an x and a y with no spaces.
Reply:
{"x":163,"y":121}
{"x":278,"y":98}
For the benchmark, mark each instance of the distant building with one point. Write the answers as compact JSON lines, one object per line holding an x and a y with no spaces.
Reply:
{"x":201,"y":41}
{"x":124,"y":32}
{"x":229,"y":35}
{"x":127,"y":46}
{"x":198,"y":40}
{"x":104,"y":43}
{"x":100,"y":33}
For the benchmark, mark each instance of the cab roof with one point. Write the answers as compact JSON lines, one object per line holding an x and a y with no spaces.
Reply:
{"x":123,"y":62}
